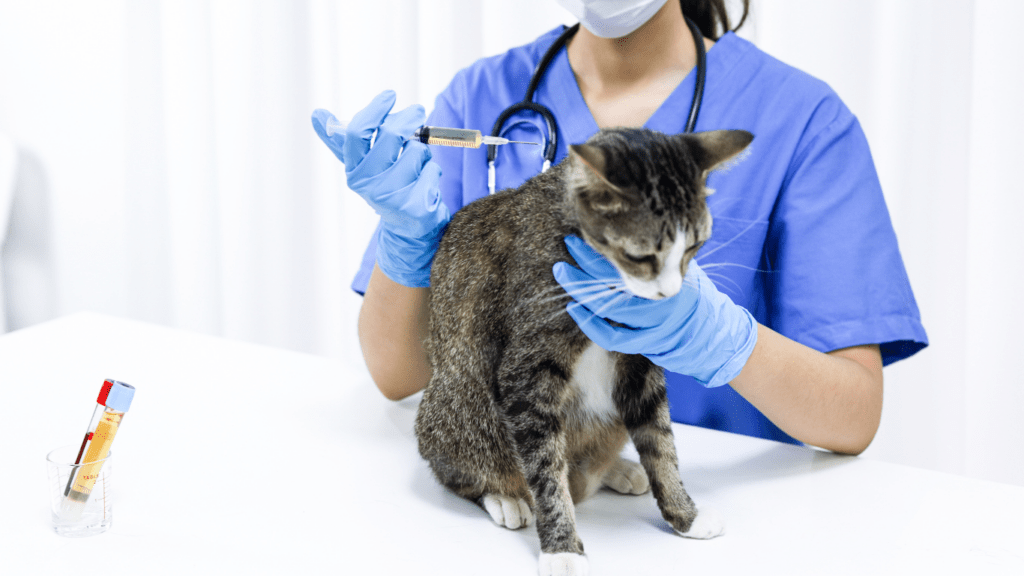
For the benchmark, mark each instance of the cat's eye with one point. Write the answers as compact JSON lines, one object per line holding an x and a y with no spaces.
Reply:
{"x":639,"y":259}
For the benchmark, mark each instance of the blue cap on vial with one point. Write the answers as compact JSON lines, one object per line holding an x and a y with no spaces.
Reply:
{"x":116,"y":395}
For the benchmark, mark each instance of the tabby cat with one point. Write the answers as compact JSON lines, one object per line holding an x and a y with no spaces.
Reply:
{"x":524,"y":415}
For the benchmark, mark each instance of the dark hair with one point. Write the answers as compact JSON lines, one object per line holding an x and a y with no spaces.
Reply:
{"x":711,"y":16}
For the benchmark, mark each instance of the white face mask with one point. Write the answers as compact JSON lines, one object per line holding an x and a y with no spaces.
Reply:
{"x":612,"y":18}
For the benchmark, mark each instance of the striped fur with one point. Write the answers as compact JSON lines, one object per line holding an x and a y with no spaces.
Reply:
{"x":521,"y":405}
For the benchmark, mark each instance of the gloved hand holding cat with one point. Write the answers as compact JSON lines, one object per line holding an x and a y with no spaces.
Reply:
{"x":699,"y":331}
{"x":403,"y":189}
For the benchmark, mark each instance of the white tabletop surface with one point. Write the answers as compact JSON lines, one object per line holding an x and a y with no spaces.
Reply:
{"x":241,"y":459}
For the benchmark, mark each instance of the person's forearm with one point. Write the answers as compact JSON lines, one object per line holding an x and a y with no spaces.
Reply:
{"x":392,"y":327}
{"x":833,"y":400}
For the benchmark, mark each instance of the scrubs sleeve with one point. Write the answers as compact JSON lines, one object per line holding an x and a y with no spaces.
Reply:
{"x":836,"y":277}
{"x":446,"y":113}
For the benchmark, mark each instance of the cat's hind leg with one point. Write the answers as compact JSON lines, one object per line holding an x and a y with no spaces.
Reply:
{"x":595,"y":462}
{"x":466,"y":446}
{"x":508,"y":511}
{"x":627,"y":477}
{"x":593,"y":449}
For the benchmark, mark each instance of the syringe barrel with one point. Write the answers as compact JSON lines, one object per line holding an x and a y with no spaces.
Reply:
{"x":434,"y":135}
{"x":458,"y":137}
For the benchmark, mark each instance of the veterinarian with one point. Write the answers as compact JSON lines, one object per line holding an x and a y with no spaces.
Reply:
{"x":808,"y":296}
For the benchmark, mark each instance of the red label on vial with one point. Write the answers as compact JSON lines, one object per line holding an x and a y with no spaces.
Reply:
{"x":102,"y":399}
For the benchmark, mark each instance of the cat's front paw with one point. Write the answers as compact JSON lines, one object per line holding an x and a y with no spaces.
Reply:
{"x":627,"y":477}
{"x":508,"y":512}
{"x":563,"y":564}
{"x":708,"y":524}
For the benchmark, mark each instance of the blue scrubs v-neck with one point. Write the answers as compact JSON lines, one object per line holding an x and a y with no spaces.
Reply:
{"x":561,"y":92}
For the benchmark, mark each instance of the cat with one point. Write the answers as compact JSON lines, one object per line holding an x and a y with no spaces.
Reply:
{"x":523,"y":414}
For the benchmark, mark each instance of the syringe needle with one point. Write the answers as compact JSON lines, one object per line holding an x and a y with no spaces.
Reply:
{"x":498,"y":141}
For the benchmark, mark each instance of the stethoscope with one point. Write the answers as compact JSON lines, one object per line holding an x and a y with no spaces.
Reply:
{"x":549,"y":118}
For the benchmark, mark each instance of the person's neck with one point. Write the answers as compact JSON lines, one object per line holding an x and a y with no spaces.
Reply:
{"x":663,"y":43}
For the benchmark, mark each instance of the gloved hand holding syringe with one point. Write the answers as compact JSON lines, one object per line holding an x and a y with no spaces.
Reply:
{"x":435,"y":135}
{"x":389,"y":165}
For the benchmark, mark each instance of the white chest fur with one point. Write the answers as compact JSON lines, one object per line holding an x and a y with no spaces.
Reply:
{"x":593,"y":378}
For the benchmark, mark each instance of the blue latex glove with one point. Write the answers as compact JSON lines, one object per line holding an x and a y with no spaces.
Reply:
{"x":403,"y":189}
{"x":699,"y":332}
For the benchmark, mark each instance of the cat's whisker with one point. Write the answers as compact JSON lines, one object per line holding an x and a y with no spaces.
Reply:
{"x":586,"y":299}
{"x":739,"y":290}
{"x":595,"y":297}
{"x":618,"y":299}
{"x":585,"y":292}
{"x":592,"y":282}
{"x":558,"y":297}
{"x":562,"y":310}
{"x":692,"y":281}
{"x":731,"y":218}
{"x":589,"y":318}
{"x":559,"y":313}
{"x":558,"y":288}
{"x":612,"y":283}
{"x":620,"y":296}
{"x":730,"y":241}
{"x":723,"y":264}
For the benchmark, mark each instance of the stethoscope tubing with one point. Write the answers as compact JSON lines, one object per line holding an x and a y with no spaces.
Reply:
{"x":527,"y":103}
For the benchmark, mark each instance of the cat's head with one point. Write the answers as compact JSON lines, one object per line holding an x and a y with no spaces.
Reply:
{"x":640,"y":198}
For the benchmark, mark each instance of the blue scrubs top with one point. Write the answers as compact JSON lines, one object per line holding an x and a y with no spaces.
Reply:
{"x":801,"y":234}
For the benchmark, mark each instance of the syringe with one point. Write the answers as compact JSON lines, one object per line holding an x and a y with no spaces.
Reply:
{"x":458,"y":137}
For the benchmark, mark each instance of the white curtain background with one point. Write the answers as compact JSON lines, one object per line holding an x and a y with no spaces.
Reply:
{"x":166,"y":171}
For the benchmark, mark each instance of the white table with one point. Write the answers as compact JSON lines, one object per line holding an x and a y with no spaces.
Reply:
{"x":236,"y":458}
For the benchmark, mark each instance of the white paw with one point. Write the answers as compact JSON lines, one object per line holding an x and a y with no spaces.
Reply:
{"x":708,"y":524}
{"x":627,"y":477}
{"x":563,"y":564}
{"x":508,"y":512}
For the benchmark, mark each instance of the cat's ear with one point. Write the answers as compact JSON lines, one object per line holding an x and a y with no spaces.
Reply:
{"x":590,"y":166}
{"x":590,"y":157}
{"x":715,"y":148}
